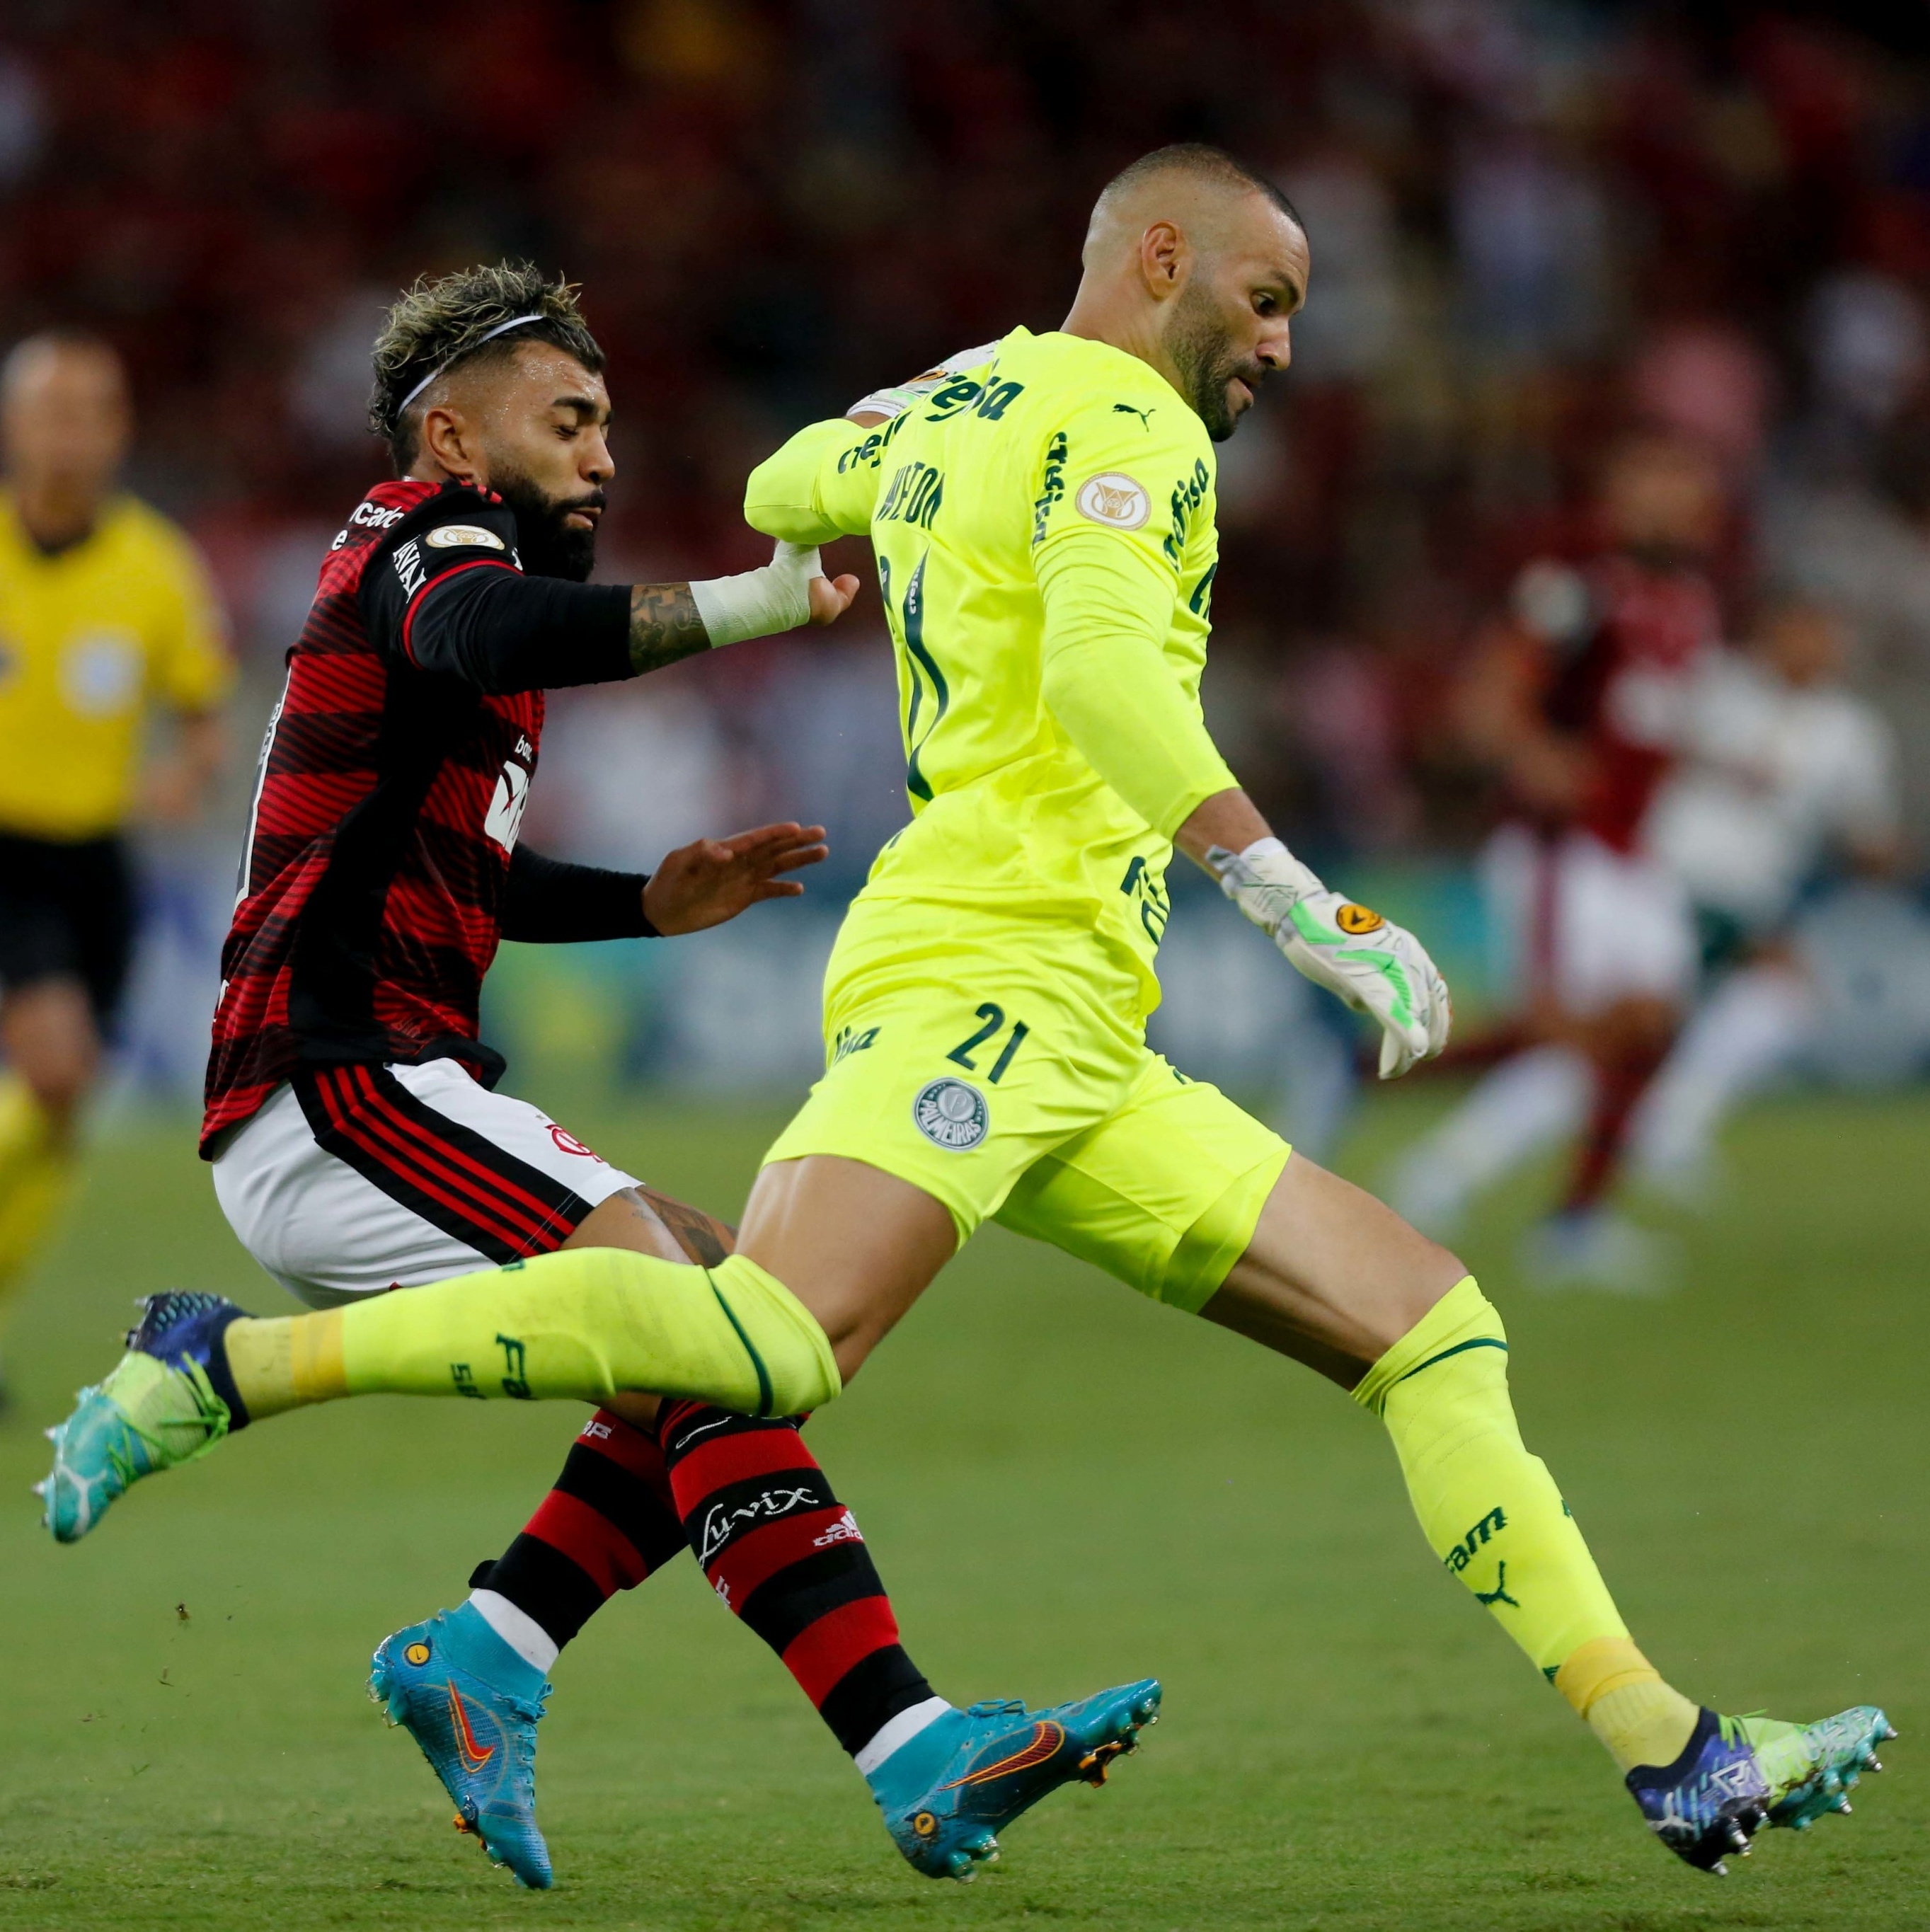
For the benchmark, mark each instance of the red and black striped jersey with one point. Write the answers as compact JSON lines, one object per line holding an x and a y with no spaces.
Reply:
{"x":391,"y":789}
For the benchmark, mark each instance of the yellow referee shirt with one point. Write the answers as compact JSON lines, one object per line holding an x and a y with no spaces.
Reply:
{"x":89,"y":639}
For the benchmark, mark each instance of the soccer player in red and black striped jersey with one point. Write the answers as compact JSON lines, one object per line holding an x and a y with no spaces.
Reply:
{"x":358,"y":1144}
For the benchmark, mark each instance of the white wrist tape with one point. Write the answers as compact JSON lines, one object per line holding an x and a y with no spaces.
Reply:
{"x":758,"y":603}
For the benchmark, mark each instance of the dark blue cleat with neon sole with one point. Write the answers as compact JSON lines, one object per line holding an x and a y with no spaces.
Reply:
{"x":947,"y":1793}
{"x":1737,"y":1775}
{"x":169,"y":1400}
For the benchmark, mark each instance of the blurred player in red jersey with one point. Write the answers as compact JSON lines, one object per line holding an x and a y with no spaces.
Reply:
{"x":1577,"y":700}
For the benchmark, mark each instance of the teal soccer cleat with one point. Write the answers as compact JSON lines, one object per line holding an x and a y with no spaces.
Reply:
{"x":169,"y":1400}
{"x":948,"y":1792}
{"x":1736,"y":1775}
{"x":473,"y":1704}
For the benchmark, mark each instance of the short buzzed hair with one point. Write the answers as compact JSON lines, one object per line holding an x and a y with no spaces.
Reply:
{"x":1203,"y":163}
{"x":435,"y":324}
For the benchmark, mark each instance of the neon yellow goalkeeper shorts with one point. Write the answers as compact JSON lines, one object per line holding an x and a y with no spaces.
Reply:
{"x":1001,"y":1065}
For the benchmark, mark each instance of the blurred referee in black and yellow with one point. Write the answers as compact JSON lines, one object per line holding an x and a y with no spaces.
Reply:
{"x":106,"y":617}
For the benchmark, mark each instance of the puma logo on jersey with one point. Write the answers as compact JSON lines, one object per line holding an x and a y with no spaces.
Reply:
{"x":1126,"y":409}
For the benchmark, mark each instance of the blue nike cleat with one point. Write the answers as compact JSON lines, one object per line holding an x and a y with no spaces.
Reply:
{"x":169,"y":1400}
{"x":1736,"y":1775}
{"x":948,"y":1792}
{"x":473,"y":1704}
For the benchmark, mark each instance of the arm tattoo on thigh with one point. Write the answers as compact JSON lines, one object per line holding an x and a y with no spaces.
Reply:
{"x":705,"y":1239}
{"x":664,"y":626}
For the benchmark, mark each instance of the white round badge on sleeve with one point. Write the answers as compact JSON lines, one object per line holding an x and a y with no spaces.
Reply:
{"x":951,"y":1114}
{"x":1114,"y":500}
{"x":462,"y":536}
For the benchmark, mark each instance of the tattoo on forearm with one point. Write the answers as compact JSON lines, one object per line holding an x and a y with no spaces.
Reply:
{"x":664,"y":626}
{"x":706,"y":1240}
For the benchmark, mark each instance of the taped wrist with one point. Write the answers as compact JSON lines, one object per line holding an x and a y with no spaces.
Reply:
{"x":759,"y":603}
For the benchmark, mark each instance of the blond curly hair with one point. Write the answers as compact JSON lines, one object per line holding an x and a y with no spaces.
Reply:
{"x":437,"y":323}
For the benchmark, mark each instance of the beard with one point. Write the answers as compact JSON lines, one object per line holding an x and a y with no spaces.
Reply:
{"x":548,"y":546}
{"x":1196,"y":340}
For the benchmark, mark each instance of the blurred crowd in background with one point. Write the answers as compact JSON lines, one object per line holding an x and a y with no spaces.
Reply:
{"x":1533,"y":227}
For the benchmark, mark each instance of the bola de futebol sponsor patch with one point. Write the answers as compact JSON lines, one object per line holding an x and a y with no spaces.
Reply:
{"x":951,"y":1114}
{"x":1114,"y":499}
{"x":462,"y":536}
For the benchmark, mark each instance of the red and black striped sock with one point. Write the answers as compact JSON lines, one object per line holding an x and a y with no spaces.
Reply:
{"x":788,"y":1558}
{"x":609,"y":1521}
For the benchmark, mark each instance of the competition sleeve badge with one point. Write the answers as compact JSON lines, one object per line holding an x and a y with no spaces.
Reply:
{"x":951,"y":1114}
{"x":1115,"y":500}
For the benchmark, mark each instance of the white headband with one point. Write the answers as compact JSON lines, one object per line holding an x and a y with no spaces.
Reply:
{"x":501,"y":329}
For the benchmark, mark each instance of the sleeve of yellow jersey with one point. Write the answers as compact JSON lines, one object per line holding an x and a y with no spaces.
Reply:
{"x":1117,"y":488}
{"x":821,"y":485}
{"x":191,"y":669}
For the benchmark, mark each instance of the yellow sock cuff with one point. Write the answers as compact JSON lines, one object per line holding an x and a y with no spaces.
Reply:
{"x":1608,"y":1663}
{"x":1464,"y":1317}
{"x":315,"y":1356}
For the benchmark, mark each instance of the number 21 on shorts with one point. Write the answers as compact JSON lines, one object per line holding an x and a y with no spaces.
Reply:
{"x":991,"y":1022}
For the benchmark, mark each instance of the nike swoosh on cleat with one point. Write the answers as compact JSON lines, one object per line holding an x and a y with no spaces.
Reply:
{"x":475,"y":1755}
{"x":1045,"y":1740}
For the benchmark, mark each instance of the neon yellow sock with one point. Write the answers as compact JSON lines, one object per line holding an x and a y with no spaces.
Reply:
{"x":582,"y":1324}
{"x":1492,"y":1514}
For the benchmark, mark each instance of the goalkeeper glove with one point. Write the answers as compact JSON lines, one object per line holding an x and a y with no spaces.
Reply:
{"x":1377,"y":968}
{"x":894,"y":401}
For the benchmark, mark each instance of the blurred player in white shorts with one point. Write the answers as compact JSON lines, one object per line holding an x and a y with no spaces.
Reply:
{"x":1787,"y":776}
{"x":1578,"y":703}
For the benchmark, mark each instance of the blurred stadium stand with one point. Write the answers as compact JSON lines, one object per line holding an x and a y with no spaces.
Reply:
{"x":1532,"y":225}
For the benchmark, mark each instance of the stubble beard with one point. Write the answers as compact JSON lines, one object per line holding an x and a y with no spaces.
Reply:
{"x":1196,"y":339}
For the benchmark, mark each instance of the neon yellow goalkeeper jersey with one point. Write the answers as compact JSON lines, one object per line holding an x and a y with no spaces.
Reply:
{"x":1044,"y":531}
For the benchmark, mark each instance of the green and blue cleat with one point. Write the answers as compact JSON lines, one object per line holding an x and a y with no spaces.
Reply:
{"x":473,"y":1704}
{"x":949,"y":1792}
{"x":168,"y":1400}
{"x":1737,"y":1775}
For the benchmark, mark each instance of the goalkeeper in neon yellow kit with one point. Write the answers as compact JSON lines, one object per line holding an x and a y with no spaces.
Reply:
{"x":1042,"y":514}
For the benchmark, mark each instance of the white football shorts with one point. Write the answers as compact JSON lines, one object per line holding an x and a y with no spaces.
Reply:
{"x":351,"y":1180}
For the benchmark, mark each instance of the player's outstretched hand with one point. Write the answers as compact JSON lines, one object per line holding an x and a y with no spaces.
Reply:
{"x":711,"y":880}
{"x":1375,"y":966}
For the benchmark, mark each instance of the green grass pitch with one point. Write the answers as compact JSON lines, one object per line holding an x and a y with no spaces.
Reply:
{"x":1065,"y":1488}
